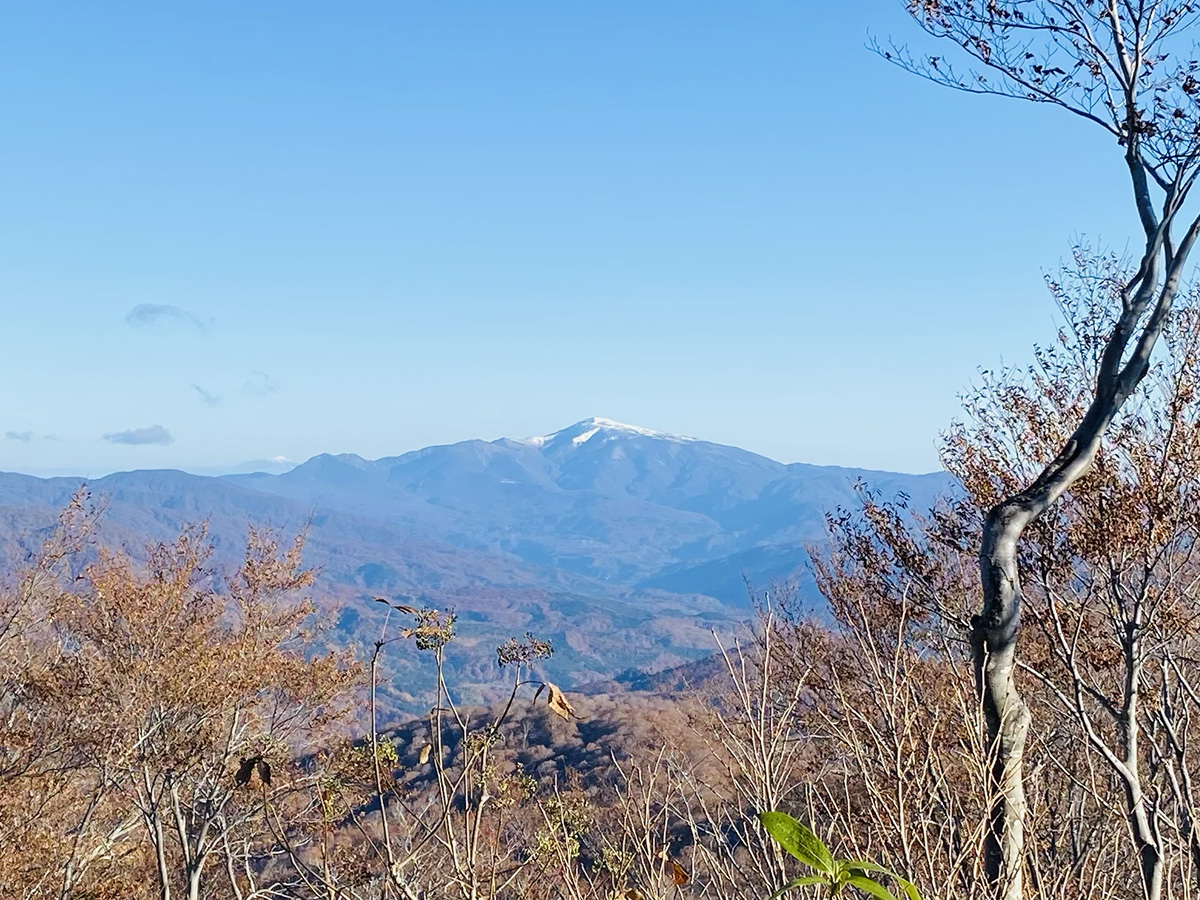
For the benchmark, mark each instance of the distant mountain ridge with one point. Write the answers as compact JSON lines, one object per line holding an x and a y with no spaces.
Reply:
{"x":599,"y":498}
{"x":621,"y":543}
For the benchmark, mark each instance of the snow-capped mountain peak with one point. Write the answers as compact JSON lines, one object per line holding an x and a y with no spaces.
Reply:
{"x":586,"y":430}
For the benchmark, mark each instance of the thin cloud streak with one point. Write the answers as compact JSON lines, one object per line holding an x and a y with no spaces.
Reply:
{"x":259,"y":384}
{"x":145,"y":314}
{"x":209,"y":398}
{"x":153,"y":434}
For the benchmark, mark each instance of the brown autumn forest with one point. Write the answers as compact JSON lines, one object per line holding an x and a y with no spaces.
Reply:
{"x":170,"y":730}
{"x":1001,"y":699}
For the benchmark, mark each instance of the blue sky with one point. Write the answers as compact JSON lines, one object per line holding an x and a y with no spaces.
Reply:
{"x":273,"y":229}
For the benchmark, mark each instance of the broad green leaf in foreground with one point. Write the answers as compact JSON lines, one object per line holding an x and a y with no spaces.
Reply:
{"x":871,"y":886}
{"x":798,"y":840}
{"x":835,"y":874}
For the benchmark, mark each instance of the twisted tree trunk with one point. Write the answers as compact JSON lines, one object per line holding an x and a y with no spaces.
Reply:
{"x":994,"y":646}
{"x":995,"y":629}
{"x":1118,"y":66}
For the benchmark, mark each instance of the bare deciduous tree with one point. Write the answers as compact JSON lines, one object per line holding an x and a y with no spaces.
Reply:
{"x":1127,"y":67}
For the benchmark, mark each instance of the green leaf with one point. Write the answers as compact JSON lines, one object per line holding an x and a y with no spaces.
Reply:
{"x":799,"y":841}
{"x":799,"y":882}
{"x":871,"y":886}
{"x":861,"y":865}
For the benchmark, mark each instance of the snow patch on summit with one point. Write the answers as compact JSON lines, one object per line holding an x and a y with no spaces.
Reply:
{"x":582,"y":432}
{"x":583,"y":438}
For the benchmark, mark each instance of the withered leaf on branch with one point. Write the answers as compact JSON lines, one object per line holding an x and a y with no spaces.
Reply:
{"x":556,"y":700}
{"x":407,"y":610}
{"x":678,"y":875}
{"x":248,"y":768}
{"x":245,"y":770}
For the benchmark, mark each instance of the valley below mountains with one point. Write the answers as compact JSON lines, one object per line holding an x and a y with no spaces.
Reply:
{"x":622,"y":546}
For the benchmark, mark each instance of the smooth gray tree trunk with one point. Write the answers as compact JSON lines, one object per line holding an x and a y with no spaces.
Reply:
{"x":994,"y":645}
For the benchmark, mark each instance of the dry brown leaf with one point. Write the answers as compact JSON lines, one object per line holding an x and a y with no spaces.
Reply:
{"x":557,"y":701}
{"x":424,"y":757}
{"x":409,"y":610}
{"x":678,"y":875}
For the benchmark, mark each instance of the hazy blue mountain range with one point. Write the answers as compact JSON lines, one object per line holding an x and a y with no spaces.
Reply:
{"x":612,"y":502}
{"x":623,"y":545}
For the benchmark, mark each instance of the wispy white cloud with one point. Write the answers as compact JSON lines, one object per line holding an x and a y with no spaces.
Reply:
{"x":153,"y":434}
{"x":162,"y":313}
{"x":259,"y":384}
{"x":209,"y":398}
